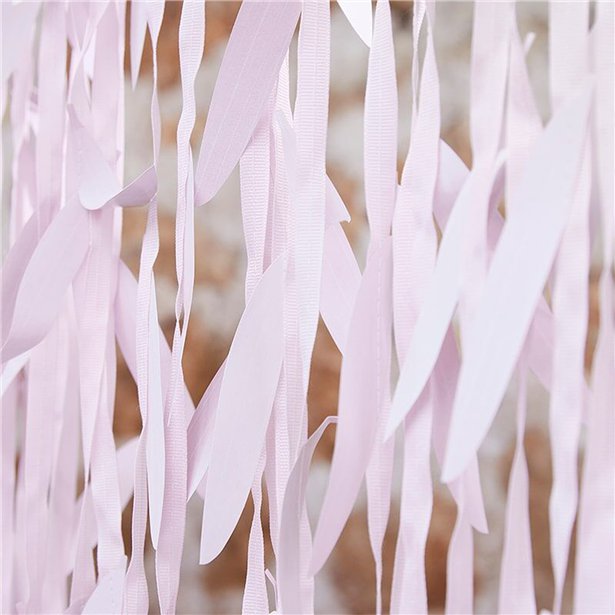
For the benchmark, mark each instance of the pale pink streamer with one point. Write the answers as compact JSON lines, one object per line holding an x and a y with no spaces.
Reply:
{"x":172,"y":522}
{"x":277,"y":466}
{"x":523,"y":125}
{"x":149,"y":477}
{"x":255,"y":195}
{"x":367,"y":345}
{"x":569,"y":57}
{"x":414,"y":246}
{"x":489,"y":65}
{"x":308,"y":204}
{"x":595,"y":560}
{"x":380,"y":162}
{"x":95,"y":286}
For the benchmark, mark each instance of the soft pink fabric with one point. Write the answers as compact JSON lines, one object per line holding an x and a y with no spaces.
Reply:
{"x":67,"y":298}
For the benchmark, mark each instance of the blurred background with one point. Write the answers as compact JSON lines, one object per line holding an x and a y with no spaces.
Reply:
{"x":347,"y":583}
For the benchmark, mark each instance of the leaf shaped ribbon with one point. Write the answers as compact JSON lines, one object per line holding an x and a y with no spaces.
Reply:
{"x":357,"y":403}
{"x":247,"y":391}
{"x":255,"y":51}
{"x":519,"y":269}
{"x":50,"y":271}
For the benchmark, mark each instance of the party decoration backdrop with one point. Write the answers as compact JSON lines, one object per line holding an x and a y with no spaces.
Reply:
{"x":474,"y":282}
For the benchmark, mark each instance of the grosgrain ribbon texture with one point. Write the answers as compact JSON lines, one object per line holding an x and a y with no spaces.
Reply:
{"x":313,"y":296}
